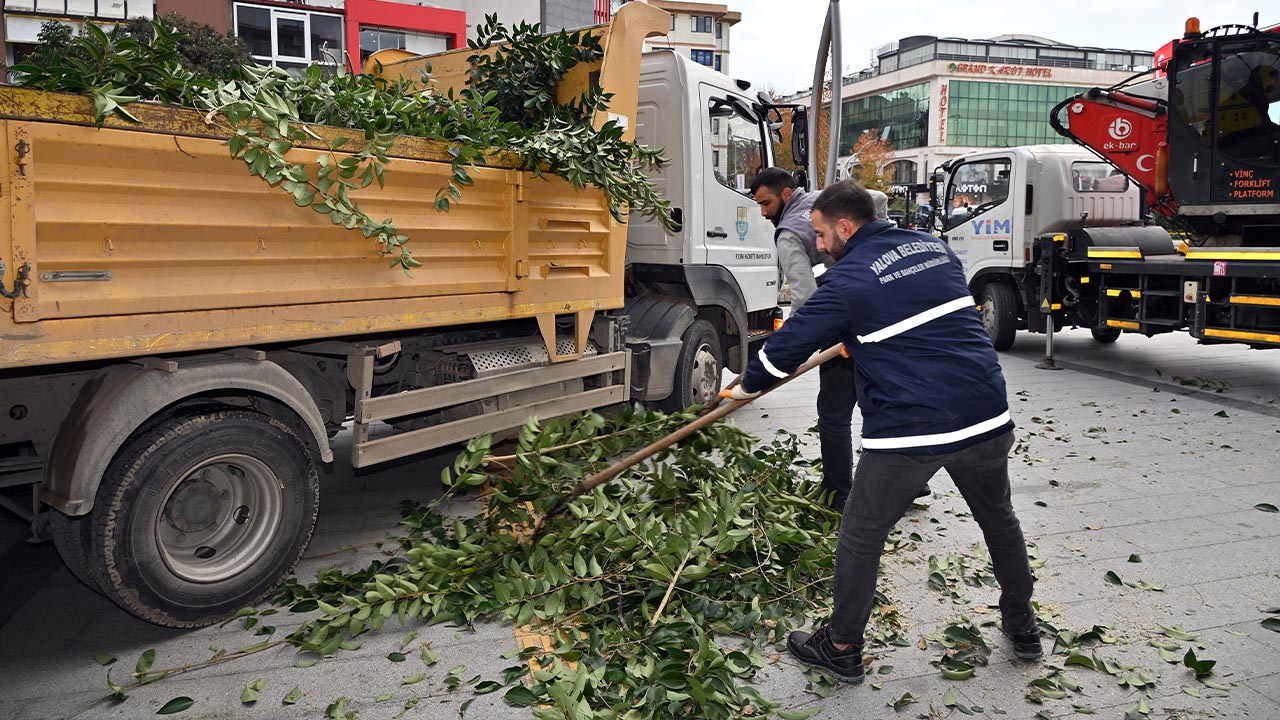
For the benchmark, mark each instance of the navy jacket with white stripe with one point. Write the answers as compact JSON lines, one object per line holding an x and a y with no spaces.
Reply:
{"x":927,"y":376}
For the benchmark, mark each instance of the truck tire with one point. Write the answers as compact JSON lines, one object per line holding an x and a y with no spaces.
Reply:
{"x":71,"y":538}
{"x":202,"y":514}
{"x":1000,"y":314}
{"x":1106,"y":335}
{"x":697,"y":378}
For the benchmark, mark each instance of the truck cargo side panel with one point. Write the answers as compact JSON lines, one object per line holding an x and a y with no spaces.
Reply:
{"x":152,"y":242}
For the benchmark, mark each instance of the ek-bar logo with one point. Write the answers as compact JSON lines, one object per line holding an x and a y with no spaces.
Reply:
{"x":1120,"y":128}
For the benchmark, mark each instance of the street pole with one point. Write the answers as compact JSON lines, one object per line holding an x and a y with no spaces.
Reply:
{"x":829,"y":42}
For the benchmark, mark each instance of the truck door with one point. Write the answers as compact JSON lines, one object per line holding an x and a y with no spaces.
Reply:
{"x":978,"y":214}
{"x":736,"y":235}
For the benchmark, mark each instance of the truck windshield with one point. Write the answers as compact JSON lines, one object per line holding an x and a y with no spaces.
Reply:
{"x":975,"y":187}
{"x":1249,"y":102}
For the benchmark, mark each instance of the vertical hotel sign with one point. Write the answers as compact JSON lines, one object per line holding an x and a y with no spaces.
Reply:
{"x":942,"y":112}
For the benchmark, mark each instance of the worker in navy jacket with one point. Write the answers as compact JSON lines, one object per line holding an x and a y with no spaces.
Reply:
{"x":932,"y":397}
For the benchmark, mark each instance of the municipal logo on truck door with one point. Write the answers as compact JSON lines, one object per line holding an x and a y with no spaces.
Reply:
{"x":741,"y":225}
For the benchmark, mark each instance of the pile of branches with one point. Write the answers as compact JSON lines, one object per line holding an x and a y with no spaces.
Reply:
{"x":507,"y":107}
{"x":663,"y":592}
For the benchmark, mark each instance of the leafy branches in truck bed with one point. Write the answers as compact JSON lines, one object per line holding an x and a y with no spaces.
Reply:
{"x":508,"y":106}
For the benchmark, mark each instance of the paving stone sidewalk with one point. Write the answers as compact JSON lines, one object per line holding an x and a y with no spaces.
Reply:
{"x":1113,"y":462}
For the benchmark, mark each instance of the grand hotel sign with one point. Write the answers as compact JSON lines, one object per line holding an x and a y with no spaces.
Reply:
{"x":965,"y":68}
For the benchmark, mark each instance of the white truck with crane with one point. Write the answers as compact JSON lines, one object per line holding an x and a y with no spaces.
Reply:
{"x":1061,"y":235}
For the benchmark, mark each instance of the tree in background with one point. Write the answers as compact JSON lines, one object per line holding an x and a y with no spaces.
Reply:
{"x":204,"y":49}
{"x":872,"y":158}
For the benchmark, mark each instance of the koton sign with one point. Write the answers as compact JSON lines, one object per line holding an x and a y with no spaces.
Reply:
{"x":1002,"y":70}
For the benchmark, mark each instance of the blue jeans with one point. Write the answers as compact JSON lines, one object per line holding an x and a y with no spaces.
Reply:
{"x":886,"y":485}
{"x":836,"y":398}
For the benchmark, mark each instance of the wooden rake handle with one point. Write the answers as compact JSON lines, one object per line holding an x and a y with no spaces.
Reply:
{"x":715,"y":414}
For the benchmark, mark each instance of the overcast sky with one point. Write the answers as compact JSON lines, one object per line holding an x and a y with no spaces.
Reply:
{"x":776,"y":42}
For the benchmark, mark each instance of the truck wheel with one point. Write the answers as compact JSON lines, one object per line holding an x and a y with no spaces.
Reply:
{"x":698,"y":368}
{"x":1105,"y":335}
{"x":71,"y":538}
{"x":200,"y":515}
{"x":1000,"y":314}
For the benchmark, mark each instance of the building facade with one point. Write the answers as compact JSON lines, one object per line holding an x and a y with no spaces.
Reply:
{"x":937,"y":98}
{"x":296,"y":33}
{"x":699,"y":31}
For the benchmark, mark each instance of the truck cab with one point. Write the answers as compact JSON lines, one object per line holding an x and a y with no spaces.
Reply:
{"x":704,"y":292}
{"x":993,"y":205}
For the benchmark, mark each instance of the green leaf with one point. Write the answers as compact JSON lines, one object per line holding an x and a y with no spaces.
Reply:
{"x":145,"y":661}
{"x":905,"y":700}
{"x":103,"y":658}
{"x":413,"y":680}
{"x":1272,"y":624}
{"x":1081,"y":660}
{"x":396,"y":657}
{"x":1177,"y":633}
{"x":304,"y":663}
{"x":1199,"y":667}
{"x":520,"y":696}
{"x":1266,"y":507}
{"x":949,"y":698}
{"x":292,"y":696}
{"x":250,"y":692}
{"x":1112,"y":578}
{"x":1135,"y":558}
{"x":487,"y":687}
{"x":176,"y":705}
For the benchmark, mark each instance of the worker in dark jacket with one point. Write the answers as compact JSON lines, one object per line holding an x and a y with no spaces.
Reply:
{"x":787,"y":207}
{"x":932,"y":397}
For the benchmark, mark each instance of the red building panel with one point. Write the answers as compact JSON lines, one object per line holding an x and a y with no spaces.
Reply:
{"x":450,"y":23}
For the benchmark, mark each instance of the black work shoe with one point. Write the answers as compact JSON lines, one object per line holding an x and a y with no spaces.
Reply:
{"x":818,"y":652}
{"x":1024,"y":632}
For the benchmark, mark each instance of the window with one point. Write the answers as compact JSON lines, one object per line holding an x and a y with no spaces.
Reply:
{"x":903,"y":112}
{"x":904,"y":172}
{"x":742,"y":145}
{"x":974,"y":185}
{"x":289,"y":38}
{"x":701,"y":23}
{"x":717,"y":63}
{"x":373,"y":39}
{"x":719,"y":30}
{"x":1097,"y":177}
{"x":1248,"y":95}
{"x":702,"y":57}
{"x":987,"y":114}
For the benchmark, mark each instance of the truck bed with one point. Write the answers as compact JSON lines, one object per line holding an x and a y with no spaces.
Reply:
{"x":150,"y":238}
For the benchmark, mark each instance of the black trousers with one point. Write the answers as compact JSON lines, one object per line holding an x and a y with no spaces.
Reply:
{"x":883,"y":489}
{"x":836,"y":399}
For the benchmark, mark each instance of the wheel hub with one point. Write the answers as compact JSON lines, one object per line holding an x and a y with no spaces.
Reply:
{"x":195,"y":507}
{"x":220,"y":517}
{"x":706,"y":375}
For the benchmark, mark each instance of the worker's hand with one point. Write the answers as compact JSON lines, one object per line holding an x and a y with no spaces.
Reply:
{"x":737,"y":393}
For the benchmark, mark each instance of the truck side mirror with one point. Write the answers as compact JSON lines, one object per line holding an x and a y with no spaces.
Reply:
{"x":800,"y":136}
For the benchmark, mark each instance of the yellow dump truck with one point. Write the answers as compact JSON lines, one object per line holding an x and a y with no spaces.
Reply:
{"x":179,"y":343}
